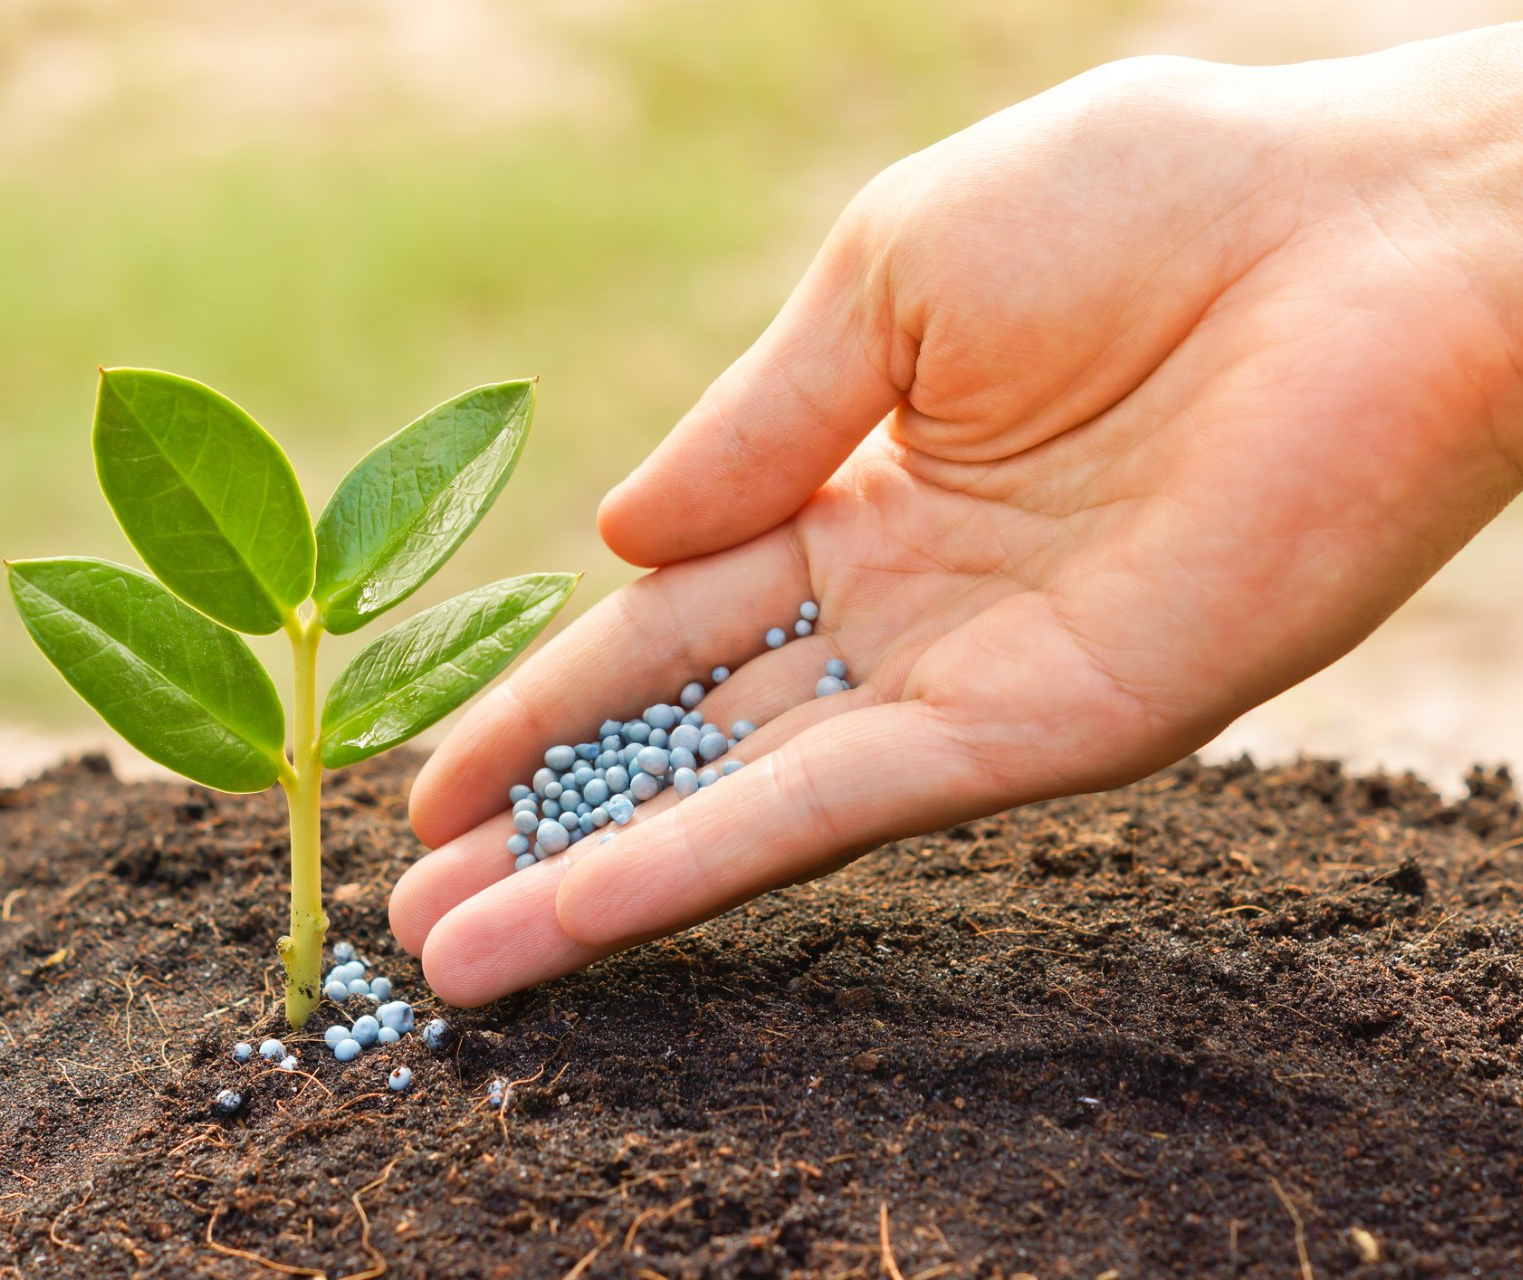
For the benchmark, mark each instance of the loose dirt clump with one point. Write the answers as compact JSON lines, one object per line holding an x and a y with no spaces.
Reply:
{"x":1227,"y":1022}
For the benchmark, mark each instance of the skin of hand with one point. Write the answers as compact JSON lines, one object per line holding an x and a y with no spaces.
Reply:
{"x":1089,"y":429}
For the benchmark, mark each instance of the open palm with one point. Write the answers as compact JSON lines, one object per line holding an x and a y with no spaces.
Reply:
{"x":1177,"y":396}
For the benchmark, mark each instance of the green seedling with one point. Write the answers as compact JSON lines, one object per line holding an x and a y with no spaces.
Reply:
{"x":211,"y":503}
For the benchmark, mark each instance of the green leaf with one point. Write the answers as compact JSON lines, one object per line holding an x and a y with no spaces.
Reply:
{"x":178,"y":687}
{"x":426,"y":667}
{"x":413,"y":499}
{"x":206,"y":497}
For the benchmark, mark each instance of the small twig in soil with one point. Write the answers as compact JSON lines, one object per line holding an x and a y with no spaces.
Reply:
{"x":1442,"y":921}
{"x":124,"y":1018}
{"x":1054,"y":922}
{"x":586,"y":1261}
{"x":127,"y":1244}
{"x":267,"y":997}
{"x":226,"y":1008}
{"x":886,"y":1250}
{"x":1046,"y":951}
{"x":1483,"y":863}
{"x":282,"y":1267}
{"x":945,"y":1243}
{"x":1290,"y":1008}
{"x":657,"y":1212}
{"x":62,"y":1214}
{"x":1120,"y":1168}
{"x":63,"y":1069}
{"x":777,"y":1147}
{"x":157,"y":1017}
{"x":10,"y":900}
{"x":48,"y":962}
{"x":68,"y":894}
{"x":210,"y":1132}
{"x":378,"y":1263}
{"x":653,"y":1175}
{"x":1092,"y":1013}
{"x":14,"y":1217}
{"x":966,"y":861}
{"x":1295,"y":1217}
{"x":281,"y":1071}
{"x":170,"y":1065}
{"x":513,"y":1084}
{"x":1050,"y":1172}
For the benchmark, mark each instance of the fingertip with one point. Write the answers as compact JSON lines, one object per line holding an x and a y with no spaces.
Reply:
{"x":575,"y":903}
{"x":502,"y":939}
{"x":463,"y":959}
{"x":438,"y":882}
{"x":620,"y":527}
{"x":423,"y":809}
{"x":401,"y":913}
{"x":428,"y":890}
{"x":451,"y":976}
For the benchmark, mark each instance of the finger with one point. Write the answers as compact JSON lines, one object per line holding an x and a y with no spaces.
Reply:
{"x":776,"y":424}
{"x":446,"y":877}
{"x":504,"y":938}
{"x":501,"y":935}
{"x":432,"y":887}
{"x":640,"y":645}
{"x":825,"y":795}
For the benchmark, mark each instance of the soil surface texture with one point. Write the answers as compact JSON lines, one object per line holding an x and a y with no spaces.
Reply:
{"x":1226,"y":1022}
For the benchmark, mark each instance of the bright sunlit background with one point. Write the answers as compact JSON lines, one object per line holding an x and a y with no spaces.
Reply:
{"x":340,"y":214}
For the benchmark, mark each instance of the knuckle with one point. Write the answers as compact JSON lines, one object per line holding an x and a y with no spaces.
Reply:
{"x":1153,"y":76}
{"x":875,"y":219}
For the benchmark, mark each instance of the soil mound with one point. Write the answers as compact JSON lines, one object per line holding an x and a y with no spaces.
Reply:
{"x":1226,"y":1022}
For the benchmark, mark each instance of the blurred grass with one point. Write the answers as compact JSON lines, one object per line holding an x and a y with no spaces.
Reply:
{"x":340,"y":250}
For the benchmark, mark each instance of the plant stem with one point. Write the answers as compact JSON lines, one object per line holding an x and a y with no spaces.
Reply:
{"x":302,"y":948}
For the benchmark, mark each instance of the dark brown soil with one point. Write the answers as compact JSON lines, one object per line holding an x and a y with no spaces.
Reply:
{"x":1217,"y":1024}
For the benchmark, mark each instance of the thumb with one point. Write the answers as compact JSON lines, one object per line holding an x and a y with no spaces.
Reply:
{"x":779,"y":421}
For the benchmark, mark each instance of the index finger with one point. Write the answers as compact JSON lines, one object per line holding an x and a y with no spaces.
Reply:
{"x":834,"y":791}
{"x":764,"y":825}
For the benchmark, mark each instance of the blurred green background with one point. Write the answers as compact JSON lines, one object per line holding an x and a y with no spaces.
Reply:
{"x":341,"y":214}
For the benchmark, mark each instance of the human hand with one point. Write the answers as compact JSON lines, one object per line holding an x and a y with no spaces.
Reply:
{"x":1192,"y":374}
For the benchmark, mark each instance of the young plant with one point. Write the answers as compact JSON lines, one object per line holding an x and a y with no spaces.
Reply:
{"x":210,"y":502}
